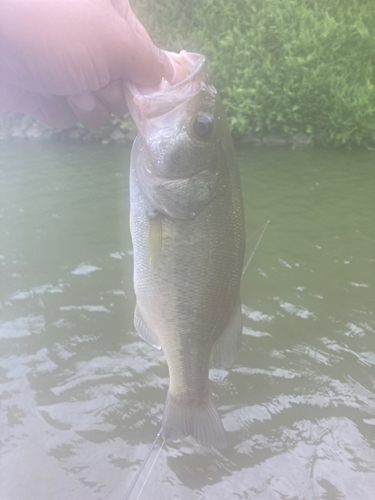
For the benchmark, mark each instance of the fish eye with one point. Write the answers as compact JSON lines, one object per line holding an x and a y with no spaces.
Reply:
{"x":202,"y":126}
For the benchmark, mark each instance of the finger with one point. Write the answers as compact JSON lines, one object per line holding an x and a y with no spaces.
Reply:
{"x":89,"y":110}
{"x":9,"y":98}
{"x":180,"y":71}
{"x":52,"y":110}
{"x":112,"y":96}
{"x":123,"y":8}
{"x":133,"y":56}
{"x":150,"y":63}
{"x":59,"y":112}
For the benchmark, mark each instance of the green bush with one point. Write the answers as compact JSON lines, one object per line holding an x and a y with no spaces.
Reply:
{"x":281,"y":66}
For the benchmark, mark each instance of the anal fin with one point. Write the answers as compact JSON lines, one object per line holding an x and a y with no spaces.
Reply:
{"x":144,"y":330}
{"x":226,"y":347}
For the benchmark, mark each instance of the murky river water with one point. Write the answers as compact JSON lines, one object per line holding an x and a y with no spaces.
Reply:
{"x":82,"y":396}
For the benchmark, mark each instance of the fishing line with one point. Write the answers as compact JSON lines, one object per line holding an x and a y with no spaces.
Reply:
{"x":152,"y":466}
{"x":143,"y":466}
{"x":252,"y":235}
{"x":255,"y":248}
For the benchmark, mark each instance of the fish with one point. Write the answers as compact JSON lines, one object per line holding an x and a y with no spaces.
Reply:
{"x":188,"y":233}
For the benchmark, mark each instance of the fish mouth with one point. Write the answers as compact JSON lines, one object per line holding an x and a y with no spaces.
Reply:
{"x":146,"y":103}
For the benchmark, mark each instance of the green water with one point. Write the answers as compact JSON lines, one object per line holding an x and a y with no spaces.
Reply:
{"x":82,"y":396}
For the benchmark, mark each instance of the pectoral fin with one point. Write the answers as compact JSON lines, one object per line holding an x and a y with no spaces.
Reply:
{"x":225,"y":349}
{"x":143,"y":329}
{"x":155,"y":225}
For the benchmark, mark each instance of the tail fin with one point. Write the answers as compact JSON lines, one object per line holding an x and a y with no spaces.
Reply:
{"x":198,"y":419}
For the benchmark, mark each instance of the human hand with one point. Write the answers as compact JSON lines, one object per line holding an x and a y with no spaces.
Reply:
{"x":66,"y":61}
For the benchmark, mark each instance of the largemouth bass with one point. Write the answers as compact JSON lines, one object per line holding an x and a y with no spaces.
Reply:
{"x":188,"y":235}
